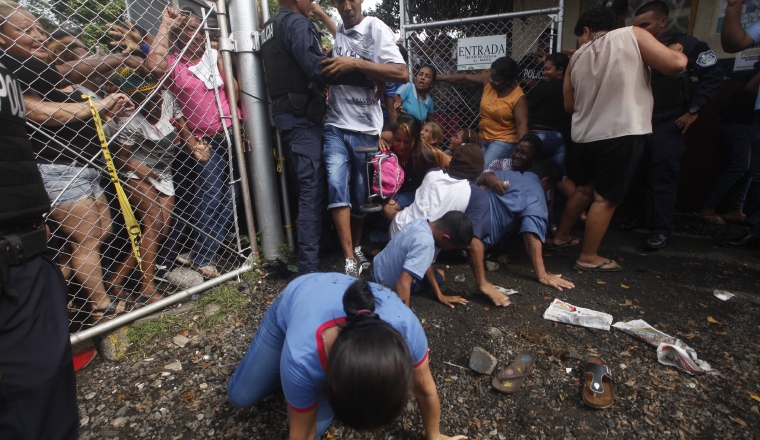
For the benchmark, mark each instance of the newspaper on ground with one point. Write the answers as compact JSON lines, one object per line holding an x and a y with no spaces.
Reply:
{"x":670,"y":351}
{"x":561,"y":311}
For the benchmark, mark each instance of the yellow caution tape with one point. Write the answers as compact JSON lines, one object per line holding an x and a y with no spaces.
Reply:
{"x":133,"y":227}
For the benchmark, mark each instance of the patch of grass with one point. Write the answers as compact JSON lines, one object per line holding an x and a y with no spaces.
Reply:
{"x":145,"y":336}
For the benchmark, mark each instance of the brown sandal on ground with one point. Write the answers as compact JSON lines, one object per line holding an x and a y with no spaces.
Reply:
{"x":510,"y":379}
{"x":598,"y":389}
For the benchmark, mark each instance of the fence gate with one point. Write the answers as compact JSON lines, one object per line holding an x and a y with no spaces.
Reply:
{"x":435,"y":43}
{"x":181,"y":172}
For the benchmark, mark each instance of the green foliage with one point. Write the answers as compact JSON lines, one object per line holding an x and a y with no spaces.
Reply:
{"x":87,"y":18}
{"x":388,"y":12}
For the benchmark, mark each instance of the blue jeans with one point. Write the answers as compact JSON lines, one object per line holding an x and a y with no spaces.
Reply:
{"x":212,"y":203}
{"x":346,"y":169}
{"x":258,"y":374}
{"x":735,"y":180}
{"x":496,"y":150}
{"x":553,"y":145}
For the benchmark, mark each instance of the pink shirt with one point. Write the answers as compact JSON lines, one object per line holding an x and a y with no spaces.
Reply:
{"x":197,"y":102}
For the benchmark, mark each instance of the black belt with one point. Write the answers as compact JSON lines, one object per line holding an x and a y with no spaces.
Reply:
{"x":18,"y":245}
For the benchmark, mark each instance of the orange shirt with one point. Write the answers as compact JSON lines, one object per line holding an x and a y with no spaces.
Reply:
{"x":497,"y":115}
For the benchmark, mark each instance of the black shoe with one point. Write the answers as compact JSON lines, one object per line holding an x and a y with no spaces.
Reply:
{"x":629,"y":224}
{"x":743,"y":242}
{"x":656,"y":241}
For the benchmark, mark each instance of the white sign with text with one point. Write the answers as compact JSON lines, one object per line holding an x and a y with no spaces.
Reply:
{"x":479,"y":52}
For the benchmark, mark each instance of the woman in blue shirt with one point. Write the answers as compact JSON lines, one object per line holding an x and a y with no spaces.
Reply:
{"x":341,"y":347}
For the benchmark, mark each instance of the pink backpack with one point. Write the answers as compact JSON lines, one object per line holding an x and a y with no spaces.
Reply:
{"x":388,"y":176}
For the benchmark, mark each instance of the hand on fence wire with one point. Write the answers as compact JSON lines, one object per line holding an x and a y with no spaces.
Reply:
{"x":199,"y":148}
{"x":116,"y":105}
{"x":172,"y":18}
{"x":128,"y":38}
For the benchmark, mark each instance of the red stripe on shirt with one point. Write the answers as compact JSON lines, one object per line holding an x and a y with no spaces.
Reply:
{"x":321,"y":342}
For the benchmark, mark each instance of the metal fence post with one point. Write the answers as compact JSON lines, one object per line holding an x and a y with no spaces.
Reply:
{"x":244,"y":20}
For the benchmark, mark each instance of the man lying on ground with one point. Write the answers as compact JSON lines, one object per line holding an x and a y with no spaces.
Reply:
{"x":517,"y":203}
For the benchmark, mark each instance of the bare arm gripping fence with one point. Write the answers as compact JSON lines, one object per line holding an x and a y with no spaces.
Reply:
{"x":133,"y":226}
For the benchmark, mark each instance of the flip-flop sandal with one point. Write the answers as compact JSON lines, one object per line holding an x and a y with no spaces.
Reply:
{"x":600,"y":267}
{"x":598,"y":388}
{"x":112,"y":308}
{"x":83,"y":358}
{"x":510,"y":379}
{"x":571,"y":243}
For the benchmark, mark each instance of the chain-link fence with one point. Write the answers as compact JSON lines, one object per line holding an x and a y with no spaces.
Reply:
{"x":132,"y":123}
{"x":528,"y":36}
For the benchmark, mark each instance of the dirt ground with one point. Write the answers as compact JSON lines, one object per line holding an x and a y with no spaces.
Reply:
{"x":671,"y":289}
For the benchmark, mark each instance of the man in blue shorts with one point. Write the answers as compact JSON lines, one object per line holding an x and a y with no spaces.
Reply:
{"x":406,"y":262}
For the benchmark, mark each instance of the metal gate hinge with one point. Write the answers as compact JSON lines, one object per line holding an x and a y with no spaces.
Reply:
{"x":242,"y":42}
{"x":227,"y":44}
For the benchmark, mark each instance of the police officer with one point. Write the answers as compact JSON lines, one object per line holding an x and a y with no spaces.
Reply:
{"x":37,"y":382}
{"x":291,"y":52}
{"x":674,"y":112}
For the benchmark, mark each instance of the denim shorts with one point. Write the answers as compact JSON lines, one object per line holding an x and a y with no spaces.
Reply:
{"x":554,"y":148}
{"x":67,"y":184}
{"x":493,"y":150}
{"x":346,"y":170}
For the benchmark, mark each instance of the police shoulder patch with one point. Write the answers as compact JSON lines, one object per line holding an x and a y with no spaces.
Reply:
{"x":707,"y":59}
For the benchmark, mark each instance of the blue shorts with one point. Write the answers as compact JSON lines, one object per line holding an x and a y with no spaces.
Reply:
{"x":346,"y":170}
{"x":404,"y":199}
{"x":554,"y":148}
{"x":67,"y":184}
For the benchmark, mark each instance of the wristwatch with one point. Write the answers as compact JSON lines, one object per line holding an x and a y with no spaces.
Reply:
{"x":693,"y":110}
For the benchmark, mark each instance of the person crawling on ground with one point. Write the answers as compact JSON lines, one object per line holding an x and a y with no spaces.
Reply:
{"x":406,"y":263}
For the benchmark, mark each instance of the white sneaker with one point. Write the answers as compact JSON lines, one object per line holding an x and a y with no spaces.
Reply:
{"x":352,"y":268}
{"x":361,"y":260}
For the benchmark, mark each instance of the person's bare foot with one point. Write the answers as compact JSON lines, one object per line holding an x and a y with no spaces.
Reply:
{"x":563,"y":241}
{"x":499,"y":299}
{"x":734,"y":217}
{"x":599,"y":264}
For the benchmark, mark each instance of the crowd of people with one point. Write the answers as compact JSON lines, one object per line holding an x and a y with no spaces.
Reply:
{"x":165,"y":135}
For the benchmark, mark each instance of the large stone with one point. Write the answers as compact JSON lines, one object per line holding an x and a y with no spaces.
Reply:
{"x":212,"y":309}
{"x":494,"y":333}
{"x":114,"y":345}
{"x":491,"y":266}
{"x":180,"y":340}
{"x":184,"y":278}
{"x":174,"y":366}
{"x":482,"y":361}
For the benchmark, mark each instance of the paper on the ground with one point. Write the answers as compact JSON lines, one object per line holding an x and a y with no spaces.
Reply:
{"x":723,"y":295}
{"x":506,"y":291}
{"x":561,"y":311}
{"x":670,"y":351}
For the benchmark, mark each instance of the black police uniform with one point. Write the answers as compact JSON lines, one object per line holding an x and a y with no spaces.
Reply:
{"x":37,"y":382}
{"x":291,"y":52}
{"x":671,"y":101}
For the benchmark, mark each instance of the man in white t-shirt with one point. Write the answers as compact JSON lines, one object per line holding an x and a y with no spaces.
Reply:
{"x":354,"y":119}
